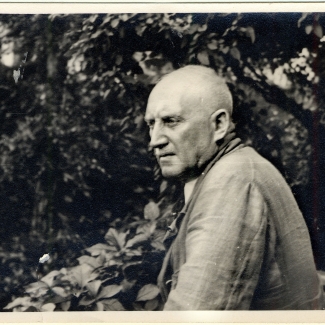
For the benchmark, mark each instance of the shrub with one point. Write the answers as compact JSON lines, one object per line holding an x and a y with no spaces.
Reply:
{"x":117,"y":274}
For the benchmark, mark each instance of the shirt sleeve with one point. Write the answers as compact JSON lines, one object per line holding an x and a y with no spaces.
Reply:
{"x":225,"y":243}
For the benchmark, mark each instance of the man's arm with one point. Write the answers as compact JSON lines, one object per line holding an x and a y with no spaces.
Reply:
{"x":224,"y":249}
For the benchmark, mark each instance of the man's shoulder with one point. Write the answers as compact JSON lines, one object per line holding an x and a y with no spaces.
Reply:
{"x":243,"y":164}
{"x":242,"y":158}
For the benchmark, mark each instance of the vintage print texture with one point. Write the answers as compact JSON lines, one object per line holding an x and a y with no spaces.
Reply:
{"x":84,"y":207}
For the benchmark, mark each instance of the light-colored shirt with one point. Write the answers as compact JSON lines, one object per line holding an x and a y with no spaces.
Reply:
{"x":188,"y":189}
{"x":240,"y":242}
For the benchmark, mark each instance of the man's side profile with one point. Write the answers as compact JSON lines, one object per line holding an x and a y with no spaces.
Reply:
{"x":240,"y":241}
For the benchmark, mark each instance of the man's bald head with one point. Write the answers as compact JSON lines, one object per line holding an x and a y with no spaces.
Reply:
{"x":199,"y":87}
{"x":188,"y":113}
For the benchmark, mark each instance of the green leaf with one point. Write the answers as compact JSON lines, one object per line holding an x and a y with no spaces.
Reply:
{"x":147,"y":292}
{"x":65,"y":305}
{"x":115,"y":239}
{"x":60,"y":292}
{"x":136,"y":240}
{"x":134,"y":252}
{"x":163,"y":186}
{"x":151,"y":211}
{"x":158,"y":245}
{"x":225,"y":49}
{"x":107,"y":19}
{"x":213,"y":45}
{"x":112,"y":305}
{"x":92,"y":18}
{"x":92,"y":261}
{"x":99,"y":306}
{"x":250,"y":32}
{"x":115,"y":22}
{"x":235,"y":53}
{"x":144,"y":229}
{"x":49,"y":278}
{"x":22,"y":301}
{"x":37,"y":289}
{"x":98,"y":33}
{"x":137,"y":306}
{"x":82,"y":274}
{"x":98,"y":248}
{"x":127,"y":284}
{"x":48,"y":307}
{"x":308,"y":29}
{"x":109,"y":291}
{"x":203,"y":58}
{"x":86,"y":301}
{"x":93,"y":287}
{"x":318,"y":30}
{"x":119,"y":59}
{"x":151,"y":304}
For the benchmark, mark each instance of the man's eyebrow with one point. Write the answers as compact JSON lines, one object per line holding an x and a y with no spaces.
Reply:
{"x":177,"y":116}
{"x":164,"y":117}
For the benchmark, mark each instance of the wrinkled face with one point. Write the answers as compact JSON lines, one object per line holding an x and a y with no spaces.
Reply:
{"x":181,"y":132}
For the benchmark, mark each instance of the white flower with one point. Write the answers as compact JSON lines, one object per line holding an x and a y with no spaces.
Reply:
{"x":44,"y":258}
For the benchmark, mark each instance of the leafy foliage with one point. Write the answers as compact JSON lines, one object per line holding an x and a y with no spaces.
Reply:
{"x":119,"y":274}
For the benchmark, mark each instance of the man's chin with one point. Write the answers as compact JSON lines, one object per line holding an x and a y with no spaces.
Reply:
{"x":181,"y":175}
{"x":170,"y":173}
{"x":175,"y":174}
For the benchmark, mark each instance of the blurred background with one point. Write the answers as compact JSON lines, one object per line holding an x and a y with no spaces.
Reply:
{"x":77,"y":181}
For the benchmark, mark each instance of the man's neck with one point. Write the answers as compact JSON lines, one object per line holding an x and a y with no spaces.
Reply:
{"x":188,"y":189}
{"x":229,"y":144}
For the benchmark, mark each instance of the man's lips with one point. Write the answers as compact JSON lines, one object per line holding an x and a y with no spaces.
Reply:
{"x":163,"y":155}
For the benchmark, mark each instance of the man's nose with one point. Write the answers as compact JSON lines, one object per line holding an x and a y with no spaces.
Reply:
{"x":157,"y":137}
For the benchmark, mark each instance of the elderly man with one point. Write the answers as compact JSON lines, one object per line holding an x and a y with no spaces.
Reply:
{"x":240,"y":241}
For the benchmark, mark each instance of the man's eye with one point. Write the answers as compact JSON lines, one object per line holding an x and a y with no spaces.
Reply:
{"x":170,"y":122}
{"x":150,"y":124}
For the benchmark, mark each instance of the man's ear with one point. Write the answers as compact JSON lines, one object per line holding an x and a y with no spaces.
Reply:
{"x":221,"y":123}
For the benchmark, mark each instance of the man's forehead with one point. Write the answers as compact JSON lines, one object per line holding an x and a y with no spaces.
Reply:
{"x":178,"y":101}
{"x":162,"y":107}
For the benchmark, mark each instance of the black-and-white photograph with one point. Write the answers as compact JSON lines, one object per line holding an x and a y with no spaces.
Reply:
{"x":162,"y":161}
